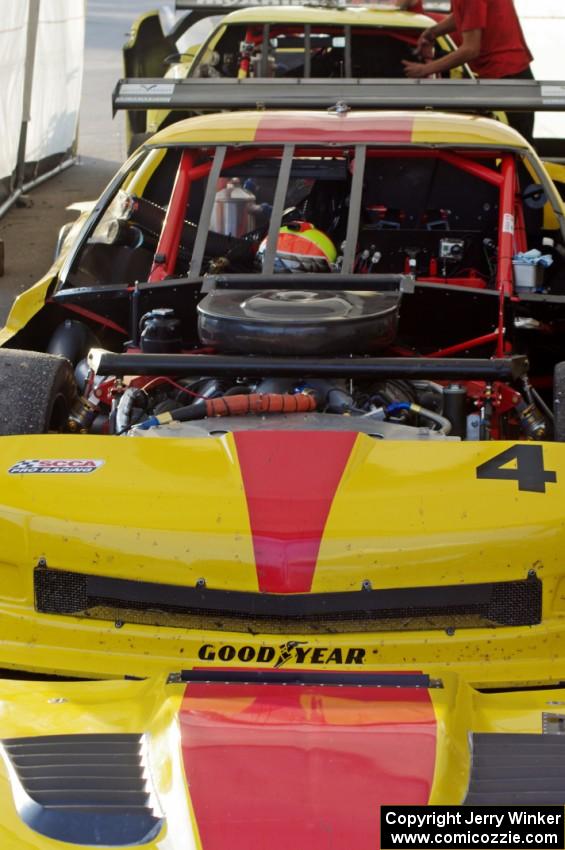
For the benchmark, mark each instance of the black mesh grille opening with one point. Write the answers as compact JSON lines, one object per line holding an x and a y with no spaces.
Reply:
{"x":85,"y":789}
{"x":513,"y":603}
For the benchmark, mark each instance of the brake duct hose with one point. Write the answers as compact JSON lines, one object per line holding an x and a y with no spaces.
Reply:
{"x":236,"y":405}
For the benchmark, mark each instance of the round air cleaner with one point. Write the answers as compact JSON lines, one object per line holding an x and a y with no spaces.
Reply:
{"x":297,"y":322}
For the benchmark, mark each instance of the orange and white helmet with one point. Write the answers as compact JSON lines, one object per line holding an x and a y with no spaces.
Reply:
{"x":301,"y":247}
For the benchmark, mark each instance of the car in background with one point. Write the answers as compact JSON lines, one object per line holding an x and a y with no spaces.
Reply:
{"x":271,"y":39}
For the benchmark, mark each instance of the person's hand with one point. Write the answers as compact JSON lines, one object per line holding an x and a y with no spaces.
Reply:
{"x":415,"y":70}
{"x":426,"y":51}
{"x":425,"y":41}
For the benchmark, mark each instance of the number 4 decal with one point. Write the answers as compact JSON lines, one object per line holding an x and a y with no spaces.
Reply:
{"x":529,"y":471}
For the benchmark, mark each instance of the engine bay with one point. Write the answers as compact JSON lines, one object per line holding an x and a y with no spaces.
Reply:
{"x":226,"y":386}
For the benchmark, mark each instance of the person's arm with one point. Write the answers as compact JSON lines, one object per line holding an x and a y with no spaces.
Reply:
{"x":441,"y":28}
{"x":428,"y":37}
{"x":469,"y":50}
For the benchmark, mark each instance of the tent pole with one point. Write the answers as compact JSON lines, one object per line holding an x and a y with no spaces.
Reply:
{"x":31,"y":41}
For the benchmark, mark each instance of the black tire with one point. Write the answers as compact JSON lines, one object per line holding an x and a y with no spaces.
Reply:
{"x":37,"y":392}
{"x":559,"y":402}
{"x":137,"y":140}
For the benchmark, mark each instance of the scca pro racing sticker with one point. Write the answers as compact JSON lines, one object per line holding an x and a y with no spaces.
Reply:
{"x":294,"y":652}
{"x":55,"y":466}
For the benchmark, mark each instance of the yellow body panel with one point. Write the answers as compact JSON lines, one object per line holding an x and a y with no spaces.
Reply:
{"x":137,"y":182}
{"x":190,"y":521}
{"x":174,"y":511}
{"x":461,"y":711}
{"x":440,"y":127}
{"x":98,"y":708}
{"x":350,"y":16}
{"x":152,"y":708}
{"x":26,"y":305}
{"x":556,"y":172}
{"x":428,"y":127}
{"x":210,"y":128}
{"x":412,"y":514}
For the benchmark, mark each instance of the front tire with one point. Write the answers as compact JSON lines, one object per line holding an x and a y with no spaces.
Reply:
{"x":37,"y":392}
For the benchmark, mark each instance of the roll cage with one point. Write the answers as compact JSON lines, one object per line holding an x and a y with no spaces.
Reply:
{"x":495,"y":167}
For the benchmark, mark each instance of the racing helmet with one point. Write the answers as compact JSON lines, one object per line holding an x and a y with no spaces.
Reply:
{"x":301,"y":247}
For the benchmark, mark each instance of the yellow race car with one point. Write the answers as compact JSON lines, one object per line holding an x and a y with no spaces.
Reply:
{"x":282,"y":487}
{"x":270,"y":39}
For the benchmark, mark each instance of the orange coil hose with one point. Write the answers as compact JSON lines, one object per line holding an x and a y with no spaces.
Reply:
{"x":240,"y":405}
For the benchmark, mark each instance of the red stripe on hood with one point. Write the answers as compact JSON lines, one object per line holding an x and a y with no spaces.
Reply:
{"x":286,"y":767}
{"x":290,"y":480}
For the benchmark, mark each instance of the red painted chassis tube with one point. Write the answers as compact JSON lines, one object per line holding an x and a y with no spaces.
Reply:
{"x":104,"y":321}
{"x":465,"y":163}
{"x":506,"y":226}
{"x":463,"y":346}
{"x":166,"y":255}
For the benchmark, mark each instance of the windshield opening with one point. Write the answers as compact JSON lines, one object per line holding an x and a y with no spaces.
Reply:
{"x":307,"y":50}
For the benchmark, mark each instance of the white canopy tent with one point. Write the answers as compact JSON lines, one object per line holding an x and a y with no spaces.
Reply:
{"x":543,"y":22}
{"x":41,"y":63}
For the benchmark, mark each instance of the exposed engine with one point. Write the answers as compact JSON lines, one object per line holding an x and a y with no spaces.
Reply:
{"x":165,"y":407}
{"x":266,"y":327}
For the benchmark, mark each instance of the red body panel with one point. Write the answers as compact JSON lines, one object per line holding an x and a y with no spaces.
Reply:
{"x":289,"y":766}
{"x":332,"y":128}
{"x":290,"y":480}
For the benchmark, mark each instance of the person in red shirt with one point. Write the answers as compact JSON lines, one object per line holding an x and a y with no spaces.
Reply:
{"x":491,"y":41}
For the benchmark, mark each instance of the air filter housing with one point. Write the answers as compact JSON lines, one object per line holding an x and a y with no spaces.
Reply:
{"x":298,"y":322}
